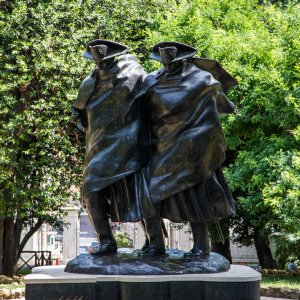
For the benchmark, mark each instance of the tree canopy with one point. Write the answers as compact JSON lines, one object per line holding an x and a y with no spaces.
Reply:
{"x":41,"y":65}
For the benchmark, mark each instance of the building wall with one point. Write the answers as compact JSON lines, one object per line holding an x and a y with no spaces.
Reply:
{"x":244,"y":255}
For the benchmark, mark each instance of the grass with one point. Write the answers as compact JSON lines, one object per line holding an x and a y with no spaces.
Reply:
{"x":12,"y":286}
{"x":282,"y":281}
{"x":25,"y":272}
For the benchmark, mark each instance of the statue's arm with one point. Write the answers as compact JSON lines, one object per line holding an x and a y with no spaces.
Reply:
{"x":78,"y":117}
{"x":86,"y":89}
{"x":75,"y":115}
{"x":223,"y":104}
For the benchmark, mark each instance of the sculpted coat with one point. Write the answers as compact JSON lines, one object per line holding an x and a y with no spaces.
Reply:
{"x":115,"y":150}
{"x":184,"y":175}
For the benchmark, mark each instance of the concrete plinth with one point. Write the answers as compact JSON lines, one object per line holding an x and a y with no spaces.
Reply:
{"x":52,"y":283}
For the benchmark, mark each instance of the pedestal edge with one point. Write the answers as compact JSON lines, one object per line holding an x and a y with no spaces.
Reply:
{"x":54,"y":275}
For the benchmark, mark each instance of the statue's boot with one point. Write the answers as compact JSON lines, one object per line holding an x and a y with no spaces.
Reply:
{"x":156,"y":245}
{"x":146,"y":243}
{"x":95,"y":205}
{"x":201,"y":240}
{"x":143,"y":226}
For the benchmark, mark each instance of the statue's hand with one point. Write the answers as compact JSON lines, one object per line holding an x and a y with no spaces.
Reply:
{"x":80,"y":127}
{"x":74,"y":116}
{"x":78,"y":118}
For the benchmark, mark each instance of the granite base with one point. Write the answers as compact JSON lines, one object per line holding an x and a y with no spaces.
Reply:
{"x":52,"y":283}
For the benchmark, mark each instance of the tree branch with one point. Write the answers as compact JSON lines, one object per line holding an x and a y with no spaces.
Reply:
{"x":28,"y":235}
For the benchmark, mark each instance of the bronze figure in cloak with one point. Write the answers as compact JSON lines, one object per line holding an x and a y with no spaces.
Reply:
{"x":115,"y":150}
{"x":184,"y":177}
{"x":154,"y":145}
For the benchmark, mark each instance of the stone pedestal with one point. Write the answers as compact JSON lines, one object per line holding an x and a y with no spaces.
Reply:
{"x":52,"y":283}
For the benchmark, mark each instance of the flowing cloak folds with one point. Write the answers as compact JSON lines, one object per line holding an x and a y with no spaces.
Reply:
{"x":114,"y":149}
{"x":188,"y":144}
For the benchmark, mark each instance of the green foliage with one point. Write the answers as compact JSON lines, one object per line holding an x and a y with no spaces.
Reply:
{"x":39,"y":160}
{"x":286,"y":247}
{"x":123,"y":240}
{"x":41,"y":66}
{"x":259,"y":45}
{"x":12,"y":286}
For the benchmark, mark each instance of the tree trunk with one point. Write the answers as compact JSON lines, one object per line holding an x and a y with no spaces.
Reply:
{"x":218,"y":246}
{"x":12,"y":244}
{"x":1,"y":243}
{"x":9,"y":247}
{"x":263,"y":250}
{"x":223,"y":249}
{"x":17,"y":234}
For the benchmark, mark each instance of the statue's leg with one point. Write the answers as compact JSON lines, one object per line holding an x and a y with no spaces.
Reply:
{"x":201,"y":240}
{"x":155,"y":235}
{"x":95,"y":205}
{"x":143,"y":226}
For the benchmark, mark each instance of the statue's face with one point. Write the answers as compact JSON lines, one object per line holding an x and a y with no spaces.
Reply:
{"x":167,"y":55}
{"x":98,"y":53}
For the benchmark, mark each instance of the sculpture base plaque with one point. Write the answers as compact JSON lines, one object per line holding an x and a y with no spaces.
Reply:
{"x":52,"y":283}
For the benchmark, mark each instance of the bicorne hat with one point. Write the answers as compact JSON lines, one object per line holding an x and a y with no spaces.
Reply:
{"x":183,"y":50}
{"x":116,"y":49}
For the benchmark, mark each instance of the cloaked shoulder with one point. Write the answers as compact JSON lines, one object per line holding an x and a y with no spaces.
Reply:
{"x":127,"y":57}
{"x":218,"y":72}
{"x":214,"y":74}
{"x":129,"y":66}
{"x":150,"y":80}
{"x":85,"y":90}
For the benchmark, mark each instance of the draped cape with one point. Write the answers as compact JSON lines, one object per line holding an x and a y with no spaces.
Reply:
{"x":114,"y":148}
{"x":187,"y":138}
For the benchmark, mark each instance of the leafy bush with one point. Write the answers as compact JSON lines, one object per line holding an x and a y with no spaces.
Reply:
{"x":41,"y":66}
{"x":123,"y":240}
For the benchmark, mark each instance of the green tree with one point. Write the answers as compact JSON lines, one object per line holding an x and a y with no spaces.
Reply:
{"x":286,"y":247}
{"x":259,"y":45}
{"x":41,"y":65}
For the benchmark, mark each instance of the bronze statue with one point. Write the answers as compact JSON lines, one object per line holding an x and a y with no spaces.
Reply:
{"x":115,"y":150}
{"x":154,"y":144}
{"x":184,"y":175}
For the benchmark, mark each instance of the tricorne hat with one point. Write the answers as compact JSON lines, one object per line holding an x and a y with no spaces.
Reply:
{"x":209,"y":65}
{"x":183,"y":50}
{"x":116,"y":49}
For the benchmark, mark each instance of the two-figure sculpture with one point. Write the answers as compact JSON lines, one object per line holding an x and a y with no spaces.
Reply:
{"x":154,"y":143}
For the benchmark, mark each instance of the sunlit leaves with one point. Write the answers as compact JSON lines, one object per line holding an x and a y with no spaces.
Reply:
{"x":41,"y":67}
